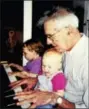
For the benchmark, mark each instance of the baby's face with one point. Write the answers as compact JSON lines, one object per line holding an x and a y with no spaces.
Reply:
{"x":50,"y":64}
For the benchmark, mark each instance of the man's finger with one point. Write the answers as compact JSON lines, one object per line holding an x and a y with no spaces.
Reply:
{"x":26,"y":89}
{"x":24,"y":92}
{"x":21,"y":97}
{"x":14,"y":83}
{"x":21,"y":82}
{"x":33,"y":106}
{"x":31,"y":95}
{"x":22,"y":102}
{"x":10,"y":73}
{"x":26,"y":95}
{"x":18,"y":84}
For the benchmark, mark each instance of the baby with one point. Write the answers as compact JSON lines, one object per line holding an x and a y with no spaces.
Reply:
{"x":52,"y":78}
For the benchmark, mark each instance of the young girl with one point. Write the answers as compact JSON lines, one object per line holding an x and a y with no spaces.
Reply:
{"x":32,"y":51}
{"x":52,"y":78}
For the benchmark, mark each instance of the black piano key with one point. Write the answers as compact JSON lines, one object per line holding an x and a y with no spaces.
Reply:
{"x":4,"y":87}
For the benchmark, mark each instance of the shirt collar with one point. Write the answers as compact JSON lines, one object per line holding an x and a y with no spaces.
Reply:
{"x":78,"y":46}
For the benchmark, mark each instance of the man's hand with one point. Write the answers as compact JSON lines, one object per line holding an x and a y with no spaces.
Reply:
{"x":66,"y":104}
{"x":36,"y":97}
{"x":29,"y":82}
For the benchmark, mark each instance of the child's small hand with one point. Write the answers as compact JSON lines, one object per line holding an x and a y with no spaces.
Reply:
{"x":14,"y":73}
{"x":19,"y":74}
{"x":25,"y":74}
{"x":3,"y":62}
{"x":20,"y":68}
{"x":12,"y":65}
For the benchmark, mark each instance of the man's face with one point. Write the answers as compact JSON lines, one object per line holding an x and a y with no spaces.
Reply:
{"x":57,"y":37}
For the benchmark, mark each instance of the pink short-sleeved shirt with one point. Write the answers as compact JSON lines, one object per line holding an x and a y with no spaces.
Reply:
{"x":55,"y":83}
{"x":58,"y":82}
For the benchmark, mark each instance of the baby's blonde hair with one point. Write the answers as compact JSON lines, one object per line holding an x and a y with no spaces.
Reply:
{"x":53,"y":51}
{"x":54,"y":54}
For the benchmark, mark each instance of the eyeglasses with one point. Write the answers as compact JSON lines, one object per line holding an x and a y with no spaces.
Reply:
{"x":53,"y":36}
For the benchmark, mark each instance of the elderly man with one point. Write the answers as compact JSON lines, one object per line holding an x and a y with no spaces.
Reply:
{"x":62,"y":32}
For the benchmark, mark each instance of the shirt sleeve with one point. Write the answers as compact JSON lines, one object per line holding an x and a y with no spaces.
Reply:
{"x":85,"y":80}
{"x":36,"y":69}
{"x":59,"y":82}
{"x":85,"y":100}
{"x":25,"y":68}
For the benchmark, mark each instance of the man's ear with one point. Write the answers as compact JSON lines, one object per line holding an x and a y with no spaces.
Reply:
{"x":70,"y":29}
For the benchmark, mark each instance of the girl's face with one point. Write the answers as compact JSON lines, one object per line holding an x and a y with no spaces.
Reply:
{"x":50,"y":65}
{"x":29,"y":55}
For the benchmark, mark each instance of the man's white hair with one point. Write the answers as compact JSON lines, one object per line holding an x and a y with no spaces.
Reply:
{"x":69,"y":19}
{"x":63,"y":16}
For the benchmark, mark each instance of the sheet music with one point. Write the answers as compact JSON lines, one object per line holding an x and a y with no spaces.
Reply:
{"x":13,"y":79}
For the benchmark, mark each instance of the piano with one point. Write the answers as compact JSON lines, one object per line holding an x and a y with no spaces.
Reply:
{"x":5,"y":81}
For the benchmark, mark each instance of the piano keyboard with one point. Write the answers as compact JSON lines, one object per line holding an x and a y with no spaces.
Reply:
{"x":13,"y":79}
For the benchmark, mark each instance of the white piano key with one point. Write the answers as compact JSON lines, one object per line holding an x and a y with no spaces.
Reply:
{"x":13,"y":79}
{"x":12,"y":95}
{"x":11,"y":104}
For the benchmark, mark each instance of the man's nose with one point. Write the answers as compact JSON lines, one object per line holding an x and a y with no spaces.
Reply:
{"x":49,"y":41}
